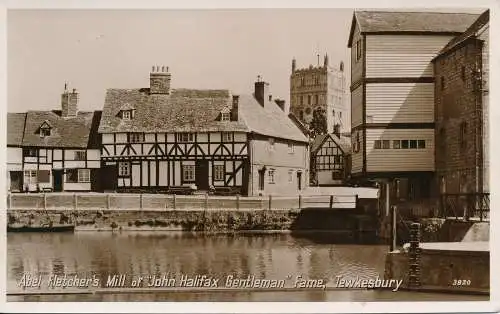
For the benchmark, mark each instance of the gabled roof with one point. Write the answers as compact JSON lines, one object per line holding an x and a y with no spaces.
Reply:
{"x":410,"y":22}
{"x":269,"y":120}
{"x":15,"y":128}
{"x":469,"y":33}
{"x":182,"y":111}
{"x":343,"y":142}
{"x":190,"y":110}
{"x":67,"y":132}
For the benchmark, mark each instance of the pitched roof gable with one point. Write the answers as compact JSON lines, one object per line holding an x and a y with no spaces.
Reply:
{"x":269,"y":119}
{"x":184,"y":110}
{"x":15,"y":128}
{"x":470,"y":32}
{"x":70,"y":132}
{"x":410,"y":22}
{"x":343,"y":142}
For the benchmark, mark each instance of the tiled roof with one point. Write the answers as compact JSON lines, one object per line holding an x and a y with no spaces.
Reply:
{"x":15,"y":128}
{"x":189,"y":110}
{"x":182,"y":111}
{"x":418,"y":22}
{"x":71,"y":132}
{"x":343,"y":142}
{"x":481,"y":21}
{"x":269,"y":120}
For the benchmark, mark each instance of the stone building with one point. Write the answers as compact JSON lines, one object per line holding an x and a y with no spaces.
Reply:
{"x":159,"y":139}
{"x":461,"y":106}
{"x":392,"y":96}
{"x":318,"y":89}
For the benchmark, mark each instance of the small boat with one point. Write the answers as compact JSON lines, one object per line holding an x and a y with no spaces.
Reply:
{"x":41,"y":228}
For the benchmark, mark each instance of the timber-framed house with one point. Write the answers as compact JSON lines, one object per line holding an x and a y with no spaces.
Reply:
{"x":157,"y":138}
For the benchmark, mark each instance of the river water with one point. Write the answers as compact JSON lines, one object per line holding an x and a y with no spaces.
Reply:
{"x":277,"y":256}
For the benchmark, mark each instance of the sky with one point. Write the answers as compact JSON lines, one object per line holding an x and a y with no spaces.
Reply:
{"x":94,"y":50}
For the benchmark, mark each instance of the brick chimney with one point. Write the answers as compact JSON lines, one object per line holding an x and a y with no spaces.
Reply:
{"x":69,"y":102}
{"x":159,"y":80}
{"x":261,"y":91}
{"x":235,"y":108}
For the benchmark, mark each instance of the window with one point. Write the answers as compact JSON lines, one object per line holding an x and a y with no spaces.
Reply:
{"x":340,"y":114}
{"x":270,"y":175}
{"x":396,"y":144}
{"x":462,"y":74}
{"x":405,"y":144}
{"x":44,"y":132}
{"x":227,"y":136}
{"x":308,"y":99}
{"x":30,"y":177}
{"x":219,"y":172}
{"x":126,"y":115}
{"x":358,"y":49}
{"x":30,"y":152}
{"x":336,"y":159}
{"x":225,"y":116}
{"x":301,"y":115}
{"x":290,"y":175}
{"x":357,"y":144}
{"x":124,"y":169}
{"x":463,"y":135}
{"x":80,"y":155}
{"x":83,"y":175}
{"x":302,"y":100}
{"x":188,"y":173}
{"x":291,"y":148}
{"x":316,"y":101}
{"x":442,"y":82}
{"x":378,"y":144}
{"x":421,"y":144}
{"x":136,"y":137}
{"x":185,"y":137}
{"x":44,"y":176}
{"x":386,"y":144}
{"x":77,"y":175}
{"x":413,"y":144}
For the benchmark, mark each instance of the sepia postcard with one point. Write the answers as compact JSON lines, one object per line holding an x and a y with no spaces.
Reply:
{"x":277,"y":157}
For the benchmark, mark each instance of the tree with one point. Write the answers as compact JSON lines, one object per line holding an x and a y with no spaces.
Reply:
{"x":318,"y":124}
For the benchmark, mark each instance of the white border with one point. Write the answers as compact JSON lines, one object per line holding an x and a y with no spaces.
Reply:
{"x":271,"y":307}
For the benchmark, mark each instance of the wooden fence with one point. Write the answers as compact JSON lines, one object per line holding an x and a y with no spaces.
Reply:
{"x":116,"y":201}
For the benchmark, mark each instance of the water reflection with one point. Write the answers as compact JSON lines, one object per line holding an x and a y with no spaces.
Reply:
{"x":270,"y":256}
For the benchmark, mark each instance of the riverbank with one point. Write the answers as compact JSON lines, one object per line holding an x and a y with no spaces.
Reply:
{"x":342,"y":221}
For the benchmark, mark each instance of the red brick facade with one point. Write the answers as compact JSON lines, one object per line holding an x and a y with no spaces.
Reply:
{"x":459,"y":119}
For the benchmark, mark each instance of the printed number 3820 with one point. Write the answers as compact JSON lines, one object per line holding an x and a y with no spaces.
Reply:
{"x":461,"y":282}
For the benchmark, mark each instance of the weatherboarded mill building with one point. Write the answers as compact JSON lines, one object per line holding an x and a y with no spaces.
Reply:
{"x":55,"y":150}
{"x":392,"y":95}
{"x":159,"y":138}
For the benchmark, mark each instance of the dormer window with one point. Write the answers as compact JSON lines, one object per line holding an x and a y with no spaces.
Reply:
{"x":45,"y":129}
{"x":127,"y":112}
{"x":225,"y":116}
{"x":126,"y":115}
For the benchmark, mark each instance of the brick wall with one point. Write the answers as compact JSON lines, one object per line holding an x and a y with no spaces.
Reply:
{"x":458,"y":119}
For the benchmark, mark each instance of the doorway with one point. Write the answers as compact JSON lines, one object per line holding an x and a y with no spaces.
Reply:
{"x":58,"y":180}
{"x":299,"y":180}
{"x":201,"y":175}
{"x":16,"y":181}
